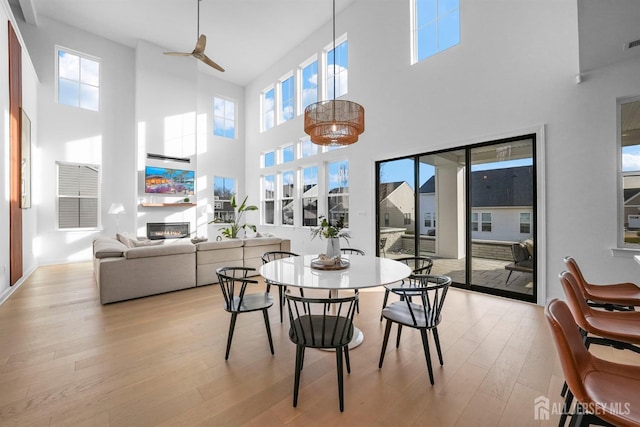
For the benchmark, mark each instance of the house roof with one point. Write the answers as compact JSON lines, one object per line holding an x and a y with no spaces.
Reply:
{"x":502,"y":187}
{"x":388,"y":188}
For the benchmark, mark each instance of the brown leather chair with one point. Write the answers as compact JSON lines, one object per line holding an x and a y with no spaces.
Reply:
{"x":618,"y":296}
{"x":602,"y":388}
{"x":617,"y":328}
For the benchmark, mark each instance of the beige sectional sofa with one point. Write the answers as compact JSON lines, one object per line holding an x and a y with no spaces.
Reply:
{"x":124,"y":271}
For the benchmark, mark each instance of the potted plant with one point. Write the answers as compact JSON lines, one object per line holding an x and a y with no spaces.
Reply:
{"x":332,"y":233}
{"x":231,"y":231}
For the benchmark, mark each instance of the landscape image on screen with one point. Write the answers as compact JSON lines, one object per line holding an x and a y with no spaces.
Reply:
{"x":167,"y":181}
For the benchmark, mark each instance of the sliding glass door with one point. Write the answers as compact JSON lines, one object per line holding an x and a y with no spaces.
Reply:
{"x":433,"y":205}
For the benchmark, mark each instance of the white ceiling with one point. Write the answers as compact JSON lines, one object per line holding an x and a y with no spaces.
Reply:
{"x":247,"y":36}
{"x":244,"y":36}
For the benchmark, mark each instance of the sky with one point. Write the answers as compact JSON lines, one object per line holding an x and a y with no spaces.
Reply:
{"x":402,"y":170}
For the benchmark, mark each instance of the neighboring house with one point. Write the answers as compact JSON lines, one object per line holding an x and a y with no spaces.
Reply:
{"x":502,"y":204}
{"x":632,"y":208}
{"x":397,"y":208}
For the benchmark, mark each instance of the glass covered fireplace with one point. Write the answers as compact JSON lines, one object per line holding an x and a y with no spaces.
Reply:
{"x":167,"y":230}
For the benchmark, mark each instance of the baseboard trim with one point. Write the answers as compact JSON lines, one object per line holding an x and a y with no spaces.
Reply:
{"x":8,"y":292}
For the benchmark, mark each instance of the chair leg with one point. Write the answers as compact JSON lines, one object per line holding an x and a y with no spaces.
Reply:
{"x":266,"y":323}
{"x":384,"y":301}
{"x":565,"y":407}
{"x":346,"y":358}
{"x":281,"y":300}
{"x":232,"y":326}
{"x":302,"y":358}
{"x":427,"y":355}
{"x":339,"y":366}
{"x":507,"y":281}
{"x":357,"y":304}
{"x":436,"y":338}
{"x":296,"y":382}
{"x":387,"y":330}
{"x":398,"y":337}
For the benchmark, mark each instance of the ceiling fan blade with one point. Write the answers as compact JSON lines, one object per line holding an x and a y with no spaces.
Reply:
{"x":202,"y":42}
{"x":210,"y":63}
{"x":178,"y":53}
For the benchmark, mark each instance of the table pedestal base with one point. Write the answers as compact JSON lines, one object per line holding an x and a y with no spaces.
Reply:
{"x":357,"y":339}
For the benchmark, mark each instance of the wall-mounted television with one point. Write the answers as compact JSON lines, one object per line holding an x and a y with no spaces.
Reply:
{"x":167,"y":181}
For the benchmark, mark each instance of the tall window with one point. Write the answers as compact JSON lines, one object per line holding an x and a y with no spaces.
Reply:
{"x":436,"y":27}
{"x":407,"y":219}
{"x":525,"y":222}
{"x":268,"y":109}
{"x":286,"y":206}
{"x":78,"y":80}
{"x":486,"y":221}
{"x":78,"y":196}
{"x":629,"y":123}
{"x":224,"y":117}
{"x":268,"y":198}
{"x":287,"y":93}
{"x":310,"y":196}
{"x":338,"y":197}
{"x":339,"y":57}
{"x":308,"y":84}
{"x":223,"y":189}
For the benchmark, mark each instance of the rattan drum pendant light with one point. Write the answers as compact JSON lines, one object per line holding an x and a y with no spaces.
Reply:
{"x":336,"y":121}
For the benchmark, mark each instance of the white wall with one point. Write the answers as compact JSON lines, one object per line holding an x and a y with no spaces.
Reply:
{"x":504,"y":79}
{"x":75,"y":135}
{"x":29,"y":104}
{"x":174,"y":117}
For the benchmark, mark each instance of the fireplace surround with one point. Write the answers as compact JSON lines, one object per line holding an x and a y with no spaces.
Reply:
{"x":167,"y":230}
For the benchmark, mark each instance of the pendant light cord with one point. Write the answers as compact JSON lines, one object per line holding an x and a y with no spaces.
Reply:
{"x":198,"y":24}
{"x":334,"y":50}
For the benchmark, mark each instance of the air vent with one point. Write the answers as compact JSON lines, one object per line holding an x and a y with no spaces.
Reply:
{"x":632,"y":44}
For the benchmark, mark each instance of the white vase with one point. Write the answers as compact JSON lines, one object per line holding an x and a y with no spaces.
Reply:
{"x":333,"y":247}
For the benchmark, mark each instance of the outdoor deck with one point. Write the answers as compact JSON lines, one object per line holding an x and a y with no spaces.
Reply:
{"x":487,"y":273}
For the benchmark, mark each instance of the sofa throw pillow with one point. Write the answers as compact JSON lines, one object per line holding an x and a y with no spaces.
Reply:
{"x":142,"y":243}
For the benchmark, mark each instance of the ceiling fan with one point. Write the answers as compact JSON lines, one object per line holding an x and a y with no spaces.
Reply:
{"x":198,"y":52}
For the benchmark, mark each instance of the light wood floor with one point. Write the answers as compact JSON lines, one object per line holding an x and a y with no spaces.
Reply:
{"x":66,"y":360}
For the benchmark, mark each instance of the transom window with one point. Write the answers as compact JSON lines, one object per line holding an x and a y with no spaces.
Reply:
{"x":436,"y":27}
{"x":78,"y":78}
{"x":269,"y":159}
{"x":268,"y":109}
{"x":287,"y":153}
{"x":340,"y":58}
{"x":224,"y":117}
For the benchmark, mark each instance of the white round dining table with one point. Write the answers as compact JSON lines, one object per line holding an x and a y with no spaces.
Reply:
{"x":362,"y":272}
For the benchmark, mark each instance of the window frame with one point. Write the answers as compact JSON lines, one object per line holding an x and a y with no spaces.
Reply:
{"x":525,"y":223}
{"x":281,"y":98}
{"x":331,"y":195}
{"x":623,"y":226}
{"x":301,"y":82}
{"x":224,"y":118}
{"x":216,"y":202}
{"x":97,"y":197}
{"x":326,"y":75}
{"x":303,"y":199}
{"x":415,"y":31}
{"x":266,"y":200}
{"x":80,"y":55}
{"x":264,"y":111}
